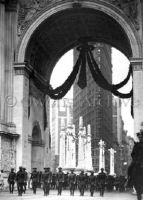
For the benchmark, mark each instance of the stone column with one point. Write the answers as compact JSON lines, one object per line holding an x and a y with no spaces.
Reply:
{"x":10,"y":35}
{"x":2,"y":61}
{"x":137,"y":65}
{"x":101,"y":155}
{"x":20,"y":112}
{"x":112,"y":161}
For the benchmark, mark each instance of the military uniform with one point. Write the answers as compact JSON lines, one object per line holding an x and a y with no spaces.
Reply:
{"x":81,"y":183}
{"x":101,"y":181}
{"x":34,"y":177}
{"x":60,"y":180}
{"x":11,"y":180}
{"x":135,"y":171}
{"x":53,"y":184}
{"x":72,"y":181}
{"x":92,"y":181}
{"x":46,"y":179}
{"x":25,"y":179}
{"x":20,"y":177}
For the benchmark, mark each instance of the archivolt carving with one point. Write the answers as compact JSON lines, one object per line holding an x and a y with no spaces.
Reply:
{"x":130,"y":7}
{"x":29,"y":9}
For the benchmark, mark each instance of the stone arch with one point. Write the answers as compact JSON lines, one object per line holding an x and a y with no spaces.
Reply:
{"x":37,"y":147}
{"x":104,"y":7}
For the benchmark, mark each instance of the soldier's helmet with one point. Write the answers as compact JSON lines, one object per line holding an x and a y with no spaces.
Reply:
{"x":20,"y":168}
{"x":139,"y":134}
{"x":46,"y":168}
{"x":102,"y":169}
{"x":60,"y":168}
{"x":34,"y":168}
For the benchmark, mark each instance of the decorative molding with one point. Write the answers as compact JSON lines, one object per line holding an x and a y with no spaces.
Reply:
{"x":29,"y":10}
{"x":21,"y":69}
{"x":137,"y":64}
{"x":11,"y":135}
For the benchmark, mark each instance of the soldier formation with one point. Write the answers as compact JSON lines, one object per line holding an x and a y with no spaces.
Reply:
{"x":59,"y":181}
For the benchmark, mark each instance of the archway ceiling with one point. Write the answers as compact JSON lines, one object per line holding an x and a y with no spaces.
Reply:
{"x":62,"y":31}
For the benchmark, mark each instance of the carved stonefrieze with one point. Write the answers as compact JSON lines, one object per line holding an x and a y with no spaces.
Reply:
{"x":130,"y":8}
{"x":28,"y":10}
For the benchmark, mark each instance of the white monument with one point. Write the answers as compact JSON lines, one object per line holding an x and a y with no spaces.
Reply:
{"x":112,"y":161}
{"x":70,"y":147}
{"x":81,"y":145}
{"x":88,"y":156}
{"x":81,"y":149}
{"x":101,"y":155}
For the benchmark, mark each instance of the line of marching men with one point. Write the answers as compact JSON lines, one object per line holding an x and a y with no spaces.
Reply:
{"x":52,"y":181}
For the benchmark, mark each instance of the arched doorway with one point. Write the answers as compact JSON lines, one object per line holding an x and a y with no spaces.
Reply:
{"x":36,"y":148}
{"x":57,"y":30}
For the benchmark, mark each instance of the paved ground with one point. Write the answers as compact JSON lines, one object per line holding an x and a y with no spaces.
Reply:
{"x":65,"y":196}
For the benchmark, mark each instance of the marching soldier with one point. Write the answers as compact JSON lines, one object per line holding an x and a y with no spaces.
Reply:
{"x":47,"y":179}
{"x":81,"y":183}
{"x":72,"y":181}
{"x":53,"y":184}
{"x":25,"y":179}
{"x":60,"y":180}
{"x":34,"y":177}
{"x":101,"y":181}
{"x":11,"y":180}
{"x":20,"y":177}
{"x":92,"y":182}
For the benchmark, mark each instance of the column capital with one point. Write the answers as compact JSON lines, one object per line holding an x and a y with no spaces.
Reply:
{"x":137,"y":64}
{"x":22,"y":69}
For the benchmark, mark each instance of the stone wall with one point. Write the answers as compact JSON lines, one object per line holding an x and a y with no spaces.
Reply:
{"x":8,"y":154}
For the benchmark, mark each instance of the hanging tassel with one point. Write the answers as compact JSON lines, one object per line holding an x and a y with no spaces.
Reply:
{"x":82,"y":81}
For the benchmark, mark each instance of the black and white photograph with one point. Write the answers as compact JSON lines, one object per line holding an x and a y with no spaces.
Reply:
{"x":71,"y":99}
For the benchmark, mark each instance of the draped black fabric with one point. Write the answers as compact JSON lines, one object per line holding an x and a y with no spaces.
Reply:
{"x":117,"y":86}
{"x":82,"y":82}
{"x":102,"y":82}
{"x":85,"y":58}
{"x":60,"y":91}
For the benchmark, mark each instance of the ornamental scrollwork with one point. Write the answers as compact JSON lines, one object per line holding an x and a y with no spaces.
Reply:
{"x":28,"y":10}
